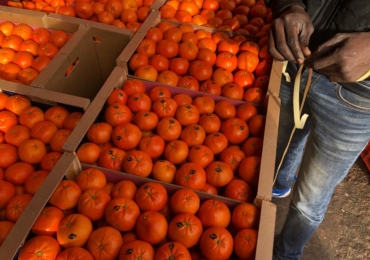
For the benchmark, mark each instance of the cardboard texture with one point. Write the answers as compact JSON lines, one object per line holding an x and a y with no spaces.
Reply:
{"x":266,"y":231}
{"x":22,"y":227}
{"x":267,"y":168}
{"x":275,"y":78}
{"x":45,"y":96}
{"x":192,"y":93}
{"x":157,"y":4}
{"x":130,"y":49}
{"x":148,"y":23}
{"x":36,"y":19}
{"x":365,"y":156}
{"x":92,"y":51}
{"x":115,"y":80}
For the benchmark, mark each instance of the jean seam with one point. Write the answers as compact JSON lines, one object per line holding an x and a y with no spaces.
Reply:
{"x":340,"y":97}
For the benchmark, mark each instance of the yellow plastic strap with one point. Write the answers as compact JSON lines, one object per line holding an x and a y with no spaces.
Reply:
{"x":364,"y":76}
{"x":286,"y":74}
{"x":298,"y":120}
{"x":297,"y":110}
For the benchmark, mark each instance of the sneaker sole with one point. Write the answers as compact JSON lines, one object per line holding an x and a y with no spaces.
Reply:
{"x":281,"y":196}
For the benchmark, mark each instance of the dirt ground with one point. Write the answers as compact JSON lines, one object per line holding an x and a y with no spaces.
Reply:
{"x":345,"y":232}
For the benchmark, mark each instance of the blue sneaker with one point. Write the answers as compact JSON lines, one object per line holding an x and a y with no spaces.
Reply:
{"x":276,"y":193}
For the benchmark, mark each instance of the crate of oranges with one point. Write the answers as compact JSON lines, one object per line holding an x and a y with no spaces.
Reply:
{"x":54,"y":52}
{"x":35,"y":124}
{"x":128,"y":215}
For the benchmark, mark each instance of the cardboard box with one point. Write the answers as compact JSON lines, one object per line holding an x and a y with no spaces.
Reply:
{"x":93,"y":50}
{"x":45,"y":96}
{"x":116,"y":80}
{"x":69,"y":166}
{"x":271,"y":110}
{"x":159,"y":3}
{"x":152,"y":20}
{"x":272,"y":113}
{"x":42,"y":98}
{"x":268,"y":210}
{"x":365,"y":156}
{"x":22,"y":227}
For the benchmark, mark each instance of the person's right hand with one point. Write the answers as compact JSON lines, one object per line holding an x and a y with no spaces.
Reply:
{"x":290,"y":34}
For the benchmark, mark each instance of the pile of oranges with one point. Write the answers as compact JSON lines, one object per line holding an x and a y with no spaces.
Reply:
{"x":192,"y":142}
{"x":26,"y":51}
{"x":240,"y":16}
{"x":92,"y":218}
{"x":128,"y":14}
{"x":31,"y":141}
{"x":236,"y":67}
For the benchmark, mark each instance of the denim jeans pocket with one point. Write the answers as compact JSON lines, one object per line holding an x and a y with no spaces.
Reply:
{"x":353,"y":100}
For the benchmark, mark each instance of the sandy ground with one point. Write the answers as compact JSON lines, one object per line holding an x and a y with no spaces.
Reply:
{"x":345,"y":231}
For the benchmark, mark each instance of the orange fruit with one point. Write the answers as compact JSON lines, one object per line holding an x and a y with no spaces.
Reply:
{"x":213,"y":212}
{"x":245,"y":215}
{"x":74,"y":230}
{"x":151,"y":196}
{"x":91,"y":178}
{"x":151,"y":227}
{"x":185,"y":200}
{"x":105,"y":243}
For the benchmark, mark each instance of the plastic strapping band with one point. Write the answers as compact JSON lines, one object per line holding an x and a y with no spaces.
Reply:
{"x":364,"y":76}
{"x":286,"y":74}
{"x":299,"y":121}
{"x":297,"y":110}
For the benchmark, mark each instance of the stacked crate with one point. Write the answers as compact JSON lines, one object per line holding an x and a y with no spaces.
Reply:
{"x":103,"y":53}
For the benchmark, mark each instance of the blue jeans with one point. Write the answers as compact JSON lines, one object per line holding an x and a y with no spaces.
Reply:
{"x":337,"y":130}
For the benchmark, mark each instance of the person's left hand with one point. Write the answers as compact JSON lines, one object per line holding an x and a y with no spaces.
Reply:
{"x":344,"y":58}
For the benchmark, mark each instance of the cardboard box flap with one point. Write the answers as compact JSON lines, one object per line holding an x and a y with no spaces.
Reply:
{"x":32,"y":18}
{"x":275,"y":78}
{"x":157,"y":4}
{"x":152,"y":20}
{"x":125,"y":55}
{"x":116,"y":79}
{"x":81,"y":81}
{"x":266,"y":231}
{"x":44,"y":96}
{"x":109,"y":41}
{"x":268,"y":158}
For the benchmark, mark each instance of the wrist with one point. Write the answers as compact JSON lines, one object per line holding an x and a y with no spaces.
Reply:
{"x":291,"y":6}
{"x":297,"y":8}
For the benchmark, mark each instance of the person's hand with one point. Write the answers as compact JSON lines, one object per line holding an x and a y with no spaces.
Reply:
{"x":344,"y":58}
{"x":290,"y":34}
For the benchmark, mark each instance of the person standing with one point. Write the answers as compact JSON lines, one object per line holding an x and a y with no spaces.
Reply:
{"x":332,"y":38}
